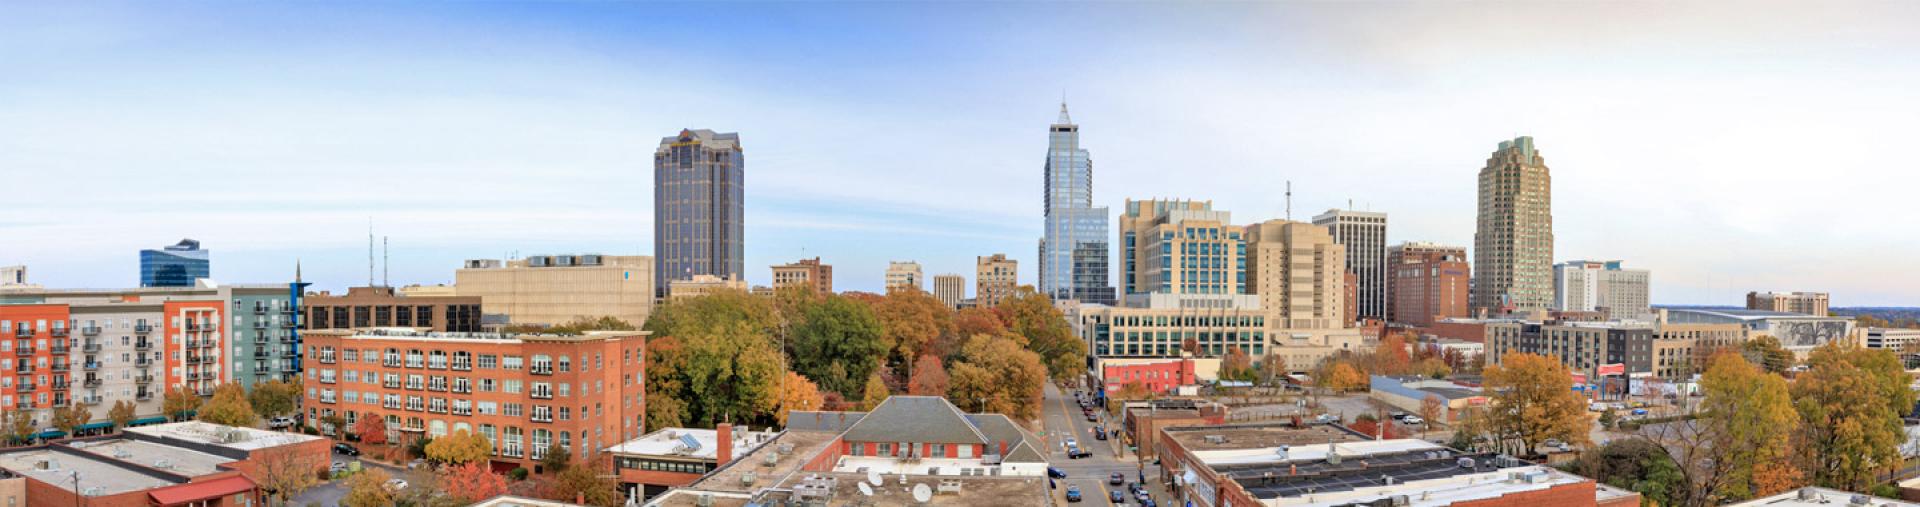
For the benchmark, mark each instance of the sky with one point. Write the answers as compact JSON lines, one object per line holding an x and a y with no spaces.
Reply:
{"x":1727,"y":147}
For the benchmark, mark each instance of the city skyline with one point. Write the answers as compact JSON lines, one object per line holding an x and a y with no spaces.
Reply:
{"x":445,"y":136}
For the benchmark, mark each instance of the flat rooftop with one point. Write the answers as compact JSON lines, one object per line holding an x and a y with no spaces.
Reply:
{"x":97,"y":477}
{"x":1442,"y":491}
{"x":1819,"y":497}
{"x":421,"y":334}
{"x":804,"y":445}
{"x":175,"y":459}
{"x":1257,"y":436}
{"x":705,"y":444}
{"x":521,"y":501}
{"x":1003,"y":490}
{"x":231,"y":437}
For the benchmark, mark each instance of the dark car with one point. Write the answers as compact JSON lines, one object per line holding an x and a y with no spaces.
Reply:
{"x":1135,"y":488}
{"x":1092,"y":418}
{"x":1117,"y":497}
{"x":1116,"y":479}
{"x":1073,"y":493}
{"x":1076,"y":453}
{"x":1056,"y":473}
{"x":1100,"y":435}
{"x":346,"y":449}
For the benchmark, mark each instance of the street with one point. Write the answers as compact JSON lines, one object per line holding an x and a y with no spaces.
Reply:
{"x":1064,"y":420}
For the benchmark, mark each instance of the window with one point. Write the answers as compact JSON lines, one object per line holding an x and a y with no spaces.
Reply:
{"x":486,"y":385}
{"x":487,"y":361}
{"x":510,"y":363}
{"x":563,"y":389}
{"x":541,"y":364}
{"x":939,"y":450}
{"x":510,"y":386}
{"x":565,"y":364}
{"x":489,"y":408}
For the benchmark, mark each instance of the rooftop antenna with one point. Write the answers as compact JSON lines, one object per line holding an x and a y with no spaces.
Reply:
{"x":369,"y":251}
{"x":385,"y":264}
{"x":1289,"y":200}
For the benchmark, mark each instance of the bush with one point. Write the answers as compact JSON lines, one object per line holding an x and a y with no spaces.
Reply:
{"x":518,"y":474}
{"x":1886,"y":491}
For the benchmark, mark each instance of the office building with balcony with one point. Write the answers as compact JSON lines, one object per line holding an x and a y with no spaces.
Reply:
{"x":368,"y":307}
{"x":552,"y":290}
{"x":177,"y":265}
{"x":699,"y":207}
{"x":524,"y":392}
{"x":807,"y":272}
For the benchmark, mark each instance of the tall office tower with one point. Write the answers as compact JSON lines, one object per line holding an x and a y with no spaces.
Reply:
{"x":699,"y":212}
{"x":1426,"y":282}
{"x":808,"y":272}
{"x":1074,"y":254}
{"x":1365,"y":235}
{"x":995,"y":277}
{"x":177,"y":265}
{"x":1299,"y":273}
{"x":13,"y":275}
{"x":950,"y":289}
{"x":1180,"y":247}
{"x":1810,"y":303}
{"x":1601,"y":286}
{"x":903,"y":275}
{"x":1513,"y":243}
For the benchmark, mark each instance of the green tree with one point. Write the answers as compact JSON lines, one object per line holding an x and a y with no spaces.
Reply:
{"x":838,"y":344}
{"x":1850,"y":400}
{"x":1639,"y":465}
{"x":1745,"y":419}
{"x":584,"y":324}
{"x":556,"y":459}
{"x":122,"y":413}
{"x":997,"y":375}
{"x":1532,"y":400}
{"x":69,"y":418}
{"x":876,"y":392}
{"x":1765,"y":350}
{"x":275,"y":398}
{"x":1044,"y":330}
{"x":229,"y":406}
{"x":177,"y":402}
{"x":699,"y":315}
{"x":19,"y":424}
{"x":459,"y":447}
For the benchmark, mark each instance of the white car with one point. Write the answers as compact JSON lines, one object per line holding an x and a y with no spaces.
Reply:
{"x":1327,"y":419}
{"x":1412,"y":419}
{"x":280,"y":423}
{"x":396,"y":484}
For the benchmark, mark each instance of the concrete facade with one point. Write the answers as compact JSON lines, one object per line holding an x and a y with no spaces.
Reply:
{"x":1299,"y":272}
{"x":1180,"y":247}
{"x":995,"y":277}
{"x":1364,"y":233}
{"x":1602,"y":286}
{"x":804,"y":272}
{"x":902,"y":274}
{"x":950,"y":289}
{"x":1513,"y":241}
{"x":1810,"y":303}
{"x":553,"y":290}
{"x":701,"y":285}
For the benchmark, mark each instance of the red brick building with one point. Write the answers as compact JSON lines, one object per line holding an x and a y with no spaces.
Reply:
{"x":1427,"y":283}
{"x":524,"y":392}
{"x":1159,"y":376}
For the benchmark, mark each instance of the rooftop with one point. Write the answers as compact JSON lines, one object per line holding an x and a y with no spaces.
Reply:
{"x":1446,"y":490}
{"x":164,"y":457}
{"x":1822,"y":497}
{"x":419,"y":334}
{"x":97,"y":476}
{"x":245,"y":439}
{"x":692,"y":443}
{"x":1744,"y":314}
{"x":1256,"y":436}
{"x":793,"y":447}
{"x":521,"y":501}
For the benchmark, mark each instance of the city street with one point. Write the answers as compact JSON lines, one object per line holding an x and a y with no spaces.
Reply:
{"x":1064,"y":420}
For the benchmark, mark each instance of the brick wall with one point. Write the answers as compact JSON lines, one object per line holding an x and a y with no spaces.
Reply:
{"x":1569,"y":495}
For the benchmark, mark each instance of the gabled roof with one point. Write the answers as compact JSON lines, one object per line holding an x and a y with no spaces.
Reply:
{"x":914,"y":419}
{"x":835,"y":422}
{"x":1022,"y":447}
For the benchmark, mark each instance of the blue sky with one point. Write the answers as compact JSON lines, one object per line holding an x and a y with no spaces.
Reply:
{"x":1727,"y":147}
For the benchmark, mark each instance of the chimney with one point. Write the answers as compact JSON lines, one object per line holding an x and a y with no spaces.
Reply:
{"x":1003,"y":448}
{"x":723,"y":435}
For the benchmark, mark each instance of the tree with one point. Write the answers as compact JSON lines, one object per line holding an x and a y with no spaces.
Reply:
{"x":1236,"y":365}
{"x":459,"y":447}
{"x":582,"y":325}
{"x":285,"y":472}
{"x":1044,"y":330}
{"x":178,"y":401}
{"x":1532,"y":400}
{"x":368,"y":488}
{"x":335,"y":424}
{"x":472,"y":482}
{"x":1745,"y":419}
{"x":1133,"y":390}
{"x":1636,"y":464}
{"x":1371,"y":425}
{"x":229,"y":406}
{"x":1850,"y":400}
{"x":1431,"y":409}
{"x":838,"y":345}
{"x":976,"y":321}
{"x":1432,"y":367}
{"x":797,"y":393}
{"x":1765,"y":350}
{"x":1390,"y":357}
{"x":122,"y":413}
{"x":912,"y":321}
{"x":70,"y":417}
{"x":1341,"y":376}
{"x":274,"y":398}
{"x":581,"y":481}
{"x":372,"y":429}
{"x":929,"y":377}
{"x":19,"y":424}
{"x":997,"y":375}
{"x":876,"y":392}
{"x":557,"y":458}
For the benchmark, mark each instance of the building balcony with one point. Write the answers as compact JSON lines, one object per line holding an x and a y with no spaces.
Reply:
{"x":289,"y":323}
{"x":463,"y":390}
{"x":541,"y":418}
{"x":415,"y":387}
{"x":327,"y":360}
{"x":540,"y":395}
{"x":390,"y":363}
{"x":192,"y":327}
{"x":541,"y":371}
{"x":259,"y":309}
{"x":142,"y":328}
{"x":327,"y":380}
{"x":61,"y":384}
{"x":23,"y":369}
{"x":462,"y":411}
{"x":143,"y":345}
{"x":390,"y":385}
{"x":92,"y":382}
{"x":262,"y":340}
{"x":23,"y":332}
{"x":287,"y":310}
{"x":259,"y":324}
{"x":24,"y":351}
{"x":26,"y":387}
{"x":437,"y":410}
{"x":91,"y":366}
{"x":61,"y":332}
{"x":61,"y":402}
{"x":91,"y":400}
{"x":59,"y":367}
{"x":204,"y":391}
{"x":193,"y":343}
{"x":143,"y":396}
{"x":90,"y":347}
{"x":27,"y":405}
{"x":144,"y":379}
{"x":463,"y":366}
{"x":289,"y":353}
{"x":143,"y":362}
{"x":60,"y":348}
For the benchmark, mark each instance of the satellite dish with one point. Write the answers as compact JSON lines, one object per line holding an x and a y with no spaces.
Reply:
{"x":865,"y":490}
{"x":922,"y":493}
{"x":873,"y":476}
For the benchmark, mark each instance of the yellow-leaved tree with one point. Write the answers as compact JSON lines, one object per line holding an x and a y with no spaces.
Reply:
{"x":1532,"y":400}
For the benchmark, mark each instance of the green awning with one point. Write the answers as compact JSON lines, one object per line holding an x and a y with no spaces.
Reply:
{"x":51,"y":433}
{"x":146,"y":420}
{"x":94,"y":426}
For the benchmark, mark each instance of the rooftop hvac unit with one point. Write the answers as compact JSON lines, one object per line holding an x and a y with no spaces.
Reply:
{"x":539,"y":261}
{"x":704,"y":500}
{"x":590,"y":260}
{"x":162,"y":464}
{"x":1466,"y":463}
{"x":1860,"y":500}
{"x":563,"y":260}
{"x":94,"y":491}
{"x":786,"y":449}
{"x":1401,"y":501}
{"x":746,"y":479}
{"x":1808,"y":494}
{"x":769,"y":459}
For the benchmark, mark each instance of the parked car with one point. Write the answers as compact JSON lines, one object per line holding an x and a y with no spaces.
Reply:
{"x":1116,"y":497}
{"x":1639,"y":412}
{"x":346,"y":449}
{"x":1413,"y":419}
{"x":1327,"y":419}
{"x":1099,"y":434}
{"x":1553,"y":442}
{"x":280,"y":423}
{"x":1116,"y":479}
{"x":1056,"y":473}
{"x":396,"y":484}
{"x":338,"y":466}
{"x":1071,"y":443}
{"x":1073,"y":493}
{"x":1076,"y":453}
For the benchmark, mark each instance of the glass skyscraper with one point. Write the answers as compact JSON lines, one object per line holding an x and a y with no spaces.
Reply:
{"x":1074,"y":254}
{"x":698,"y":207}
{"x":177,"y":265}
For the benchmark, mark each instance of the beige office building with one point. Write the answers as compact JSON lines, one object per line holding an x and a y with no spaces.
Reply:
{"x":1810,"y":303}
{"x":1299,"y":272}
{"x":701,"y":285}
{"x":1513,"y":241}
{"x":557,"y":289}
{"x":994,"y":279}
{"x":904,"y":274}
{"x":950,"y":289}
{"x":1179,"y":247}
{"x":804,"y":272}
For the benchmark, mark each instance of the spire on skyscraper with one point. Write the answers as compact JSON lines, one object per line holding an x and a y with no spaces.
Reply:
{"x":1064,"y":120}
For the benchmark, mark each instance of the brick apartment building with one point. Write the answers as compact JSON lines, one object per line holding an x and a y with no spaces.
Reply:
{"x":522,"y":391}
{"x":368,"y":307}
